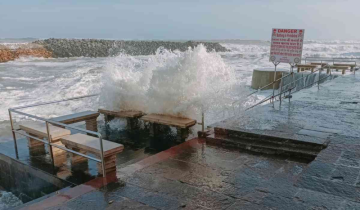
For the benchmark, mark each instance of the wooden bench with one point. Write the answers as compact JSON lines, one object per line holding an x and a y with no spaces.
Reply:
{"x":38,"y":130}
{"x":88,"y":116}
{"x":352,"y":66}
{"x":342,"y":68}
{"x":302,"y":67}
{"x":131,"y":116}
{"x":87,"y":144}
{"x":319,"y":64}
{"x":182,"y":124}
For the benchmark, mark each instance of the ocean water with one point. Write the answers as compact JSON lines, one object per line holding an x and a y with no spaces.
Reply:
{"x":179,"y":83}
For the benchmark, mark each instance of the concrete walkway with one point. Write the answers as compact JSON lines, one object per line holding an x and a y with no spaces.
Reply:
{"x":196,"y":175}
{"x":318,"y":114}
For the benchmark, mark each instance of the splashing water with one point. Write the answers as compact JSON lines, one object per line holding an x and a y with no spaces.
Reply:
{"x":8,"y":200}
{"x":169,"y":82}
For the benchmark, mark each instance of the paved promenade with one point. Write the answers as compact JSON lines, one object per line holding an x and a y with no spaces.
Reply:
{"x":197,"y":175}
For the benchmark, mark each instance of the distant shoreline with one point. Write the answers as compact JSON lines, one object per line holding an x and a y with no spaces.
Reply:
{"x":66,"y":48}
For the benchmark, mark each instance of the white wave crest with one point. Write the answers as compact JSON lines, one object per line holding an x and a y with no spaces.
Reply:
{"x":175,"y":83}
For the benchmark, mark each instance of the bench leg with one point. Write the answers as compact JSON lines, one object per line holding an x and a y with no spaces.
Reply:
{"x":110,"y":164}
{"x":35,"y":147}
{"x":327,"y":71}
{"x":153,"y":130}
{"x":91,"y":125}
{"x":59,"y":155}
{"x":343,"y":71}
{"x":78,"y":162}
{"x":33,"y":142}
{"x":182,"y":134}
{"x":132,"y":123}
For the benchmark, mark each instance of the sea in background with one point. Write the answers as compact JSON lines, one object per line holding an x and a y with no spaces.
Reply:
{"x":200,"y":74}
{"x":29,"y":80}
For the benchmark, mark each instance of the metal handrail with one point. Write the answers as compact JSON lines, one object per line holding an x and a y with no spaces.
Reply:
{"x":53,"y":102}
{"x":270,"y":97}
{"x":313,"y":83}
{"x":270,"y":84}
{"x":47,"y":121}
{"x":335,"y":59}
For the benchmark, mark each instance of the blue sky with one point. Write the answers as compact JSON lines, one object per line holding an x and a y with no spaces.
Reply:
{"x":185,"y":19}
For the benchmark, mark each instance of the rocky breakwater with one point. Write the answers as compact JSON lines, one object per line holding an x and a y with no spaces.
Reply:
{"x":7,"y":54}
{"x":102,"y":48}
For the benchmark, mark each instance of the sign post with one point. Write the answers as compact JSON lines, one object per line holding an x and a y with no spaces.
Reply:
{"x":286,"y":47}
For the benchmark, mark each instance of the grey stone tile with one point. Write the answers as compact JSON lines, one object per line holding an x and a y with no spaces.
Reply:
{"x":318,"y":200}
{"x":319,"y":169}
{"x":346,"y":175}
{"x":329,"y":187}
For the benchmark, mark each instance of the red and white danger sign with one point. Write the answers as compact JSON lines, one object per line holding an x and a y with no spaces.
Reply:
{"x":286,"y":45}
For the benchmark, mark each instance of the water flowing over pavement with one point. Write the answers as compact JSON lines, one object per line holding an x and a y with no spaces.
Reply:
{"x":198,"y":175}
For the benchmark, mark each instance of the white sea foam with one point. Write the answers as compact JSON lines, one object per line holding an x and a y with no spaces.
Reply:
{"x":175,"y":83}
{"x":8,"y":200}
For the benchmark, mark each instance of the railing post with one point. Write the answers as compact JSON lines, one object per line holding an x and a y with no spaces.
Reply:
{"x":202,"y":122}
{"x":102,"y":156}
{"x":49,"y":140}
{"x":14,"y":136}
{"x":319,"y":78}
{"x":273,"y":99}
{"x":281,"y":86}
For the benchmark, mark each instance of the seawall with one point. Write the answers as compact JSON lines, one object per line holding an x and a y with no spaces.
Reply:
{"x":63,"y":48}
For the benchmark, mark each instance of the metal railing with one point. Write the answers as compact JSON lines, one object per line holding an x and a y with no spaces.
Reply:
{"x":333,"y":60}
{"x":49,"y":139}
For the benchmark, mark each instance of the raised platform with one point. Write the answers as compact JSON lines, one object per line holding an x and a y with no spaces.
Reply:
{"x":92,"y":144}
{"x":77,"y":117}
{"x":122,"y":114}
{"x":169,"y":120}
{"x":39,"y":129}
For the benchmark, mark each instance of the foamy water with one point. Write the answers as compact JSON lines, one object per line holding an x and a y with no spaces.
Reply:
{"x":179,"y":83}
{"x":8,"y":200}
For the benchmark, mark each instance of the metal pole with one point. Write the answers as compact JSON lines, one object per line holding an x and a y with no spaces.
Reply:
{"x":319,"y":78}
{"x":102,"y":156}
{"x":281,"y":85}
{"x":202,"y":122}
{"x":49,"y":140}
{"x":14,"y":136}
{"x":274,"y":83}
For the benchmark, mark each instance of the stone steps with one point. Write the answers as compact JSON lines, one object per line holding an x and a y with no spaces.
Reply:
{"x":280,"y":141}
{"x":265,"y":144}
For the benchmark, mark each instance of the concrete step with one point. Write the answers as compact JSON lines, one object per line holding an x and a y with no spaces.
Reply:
{"x":263,"y":147}
{"x":268,"y":139}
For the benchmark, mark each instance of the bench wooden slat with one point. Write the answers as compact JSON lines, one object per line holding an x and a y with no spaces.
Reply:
{"x":122,"y":114}
{"x":77,"y":117}
{"x":39,"y":129}
{"x":306,"y":66}
{"x":344,"y":64}
{"x":92,"y":144}
{"x":169,"y":120}
{"x":338,"y":67}
{"x":318,"y":64}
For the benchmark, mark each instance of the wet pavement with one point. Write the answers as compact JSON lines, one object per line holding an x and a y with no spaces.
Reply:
{"x":195,"y":175}
{"x":312,"y":115}
{"x":200,"y":175}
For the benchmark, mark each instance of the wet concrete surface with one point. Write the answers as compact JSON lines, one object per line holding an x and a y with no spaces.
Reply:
{"x":195,"y":175}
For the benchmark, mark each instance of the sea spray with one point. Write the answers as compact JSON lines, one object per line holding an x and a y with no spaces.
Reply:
{"x":170,"y":82}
